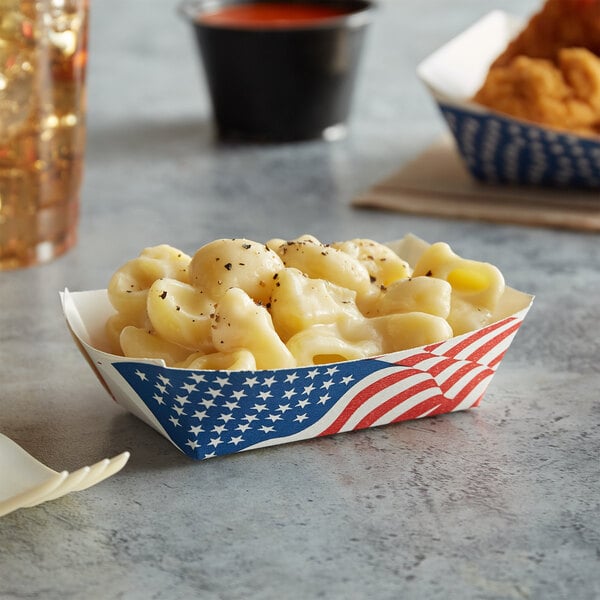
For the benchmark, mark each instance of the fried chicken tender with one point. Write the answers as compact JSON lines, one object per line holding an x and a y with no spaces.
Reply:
{"x":565,"y":95}
{"x":550,"y":73}
{"x":559,"y":24}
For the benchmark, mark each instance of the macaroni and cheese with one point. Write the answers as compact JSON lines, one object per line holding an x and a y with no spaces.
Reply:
{"x":242,"y":305}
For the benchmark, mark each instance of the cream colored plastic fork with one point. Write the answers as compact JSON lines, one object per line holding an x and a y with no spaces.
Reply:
{"x":25,"y":482}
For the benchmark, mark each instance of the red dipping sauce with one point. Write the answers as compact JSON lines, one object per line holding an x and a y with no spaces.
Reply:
{"x":271,"y":15}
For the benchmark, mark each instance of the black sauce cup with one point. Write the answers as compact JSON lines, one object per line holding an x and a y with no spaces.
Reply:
{"x":281,"y":84}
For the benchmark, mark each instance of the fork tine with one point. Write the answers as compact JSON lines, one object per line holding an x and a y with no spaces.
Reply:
{"x":102,"y":470}
{"x":69,"y":484}
{"x":33,"y":496}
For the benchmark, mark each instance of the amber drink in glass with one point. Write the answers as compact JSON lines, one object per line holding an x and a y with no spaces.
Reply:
{"x":43,"y":55}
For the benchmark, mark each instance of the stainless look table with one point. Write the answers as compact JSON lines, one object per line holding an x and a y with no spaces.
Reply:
{"x":497,"y":502}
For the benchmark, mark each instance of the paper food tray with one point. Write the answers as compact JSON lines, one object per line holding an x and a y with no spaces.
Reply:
{"x":211,"y":413}
{"x":497,"y":148}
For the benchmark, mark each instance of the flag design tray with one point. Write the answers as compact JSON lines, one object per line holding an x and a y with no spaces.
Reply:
{"x":213,"y":413}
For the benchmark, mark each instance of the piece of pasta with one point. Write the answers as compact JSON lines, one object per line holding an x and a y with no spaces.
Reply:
{"x":239,"y":263}
{"x":321,"y":344}
{"x":319,"y":261}
{"x":239,"y":322}
{"x":181,"y":314}
{"x":128,"y":287}
{"x":402,"y":331}
{"x":416,"y":294}
{"x":382,"y":263}
{"x":116,"y":323}
{"x":238,"y":360}
{"x":299,"y":302}
{"x":478,"y":283}
{"x":464,"y":317}
{"x":139,"y":343}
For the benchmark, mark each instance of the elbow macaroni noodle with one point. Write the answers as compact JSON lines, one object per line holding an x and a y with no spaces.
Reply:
{"x":241,"y":305}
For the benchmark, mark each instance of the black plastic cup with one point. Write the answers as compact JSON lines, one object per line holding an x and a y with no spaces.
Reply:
{"x":281,"y":84}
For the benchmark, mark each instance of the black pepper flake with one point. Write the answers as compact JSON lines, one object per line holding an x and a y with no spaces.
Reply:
{"x":372,"y":278}
{"x":228,"y":266}
{"x":242,"y":264}
{"x":277,"y":284}
{"x":246,"y":246}
{"x":268,"y":305}
{"x":382,"y":288}
{"x":178,"y":308}
{"x":163,"y":295}
{"x":429,"y":273}
{"x":276,"y":276}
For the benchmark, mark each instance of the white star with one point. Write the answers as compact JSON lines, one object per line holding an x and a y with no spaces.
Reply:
{"x":175,"y":421}
{"x":165,"y":380}
{"x":331,"y":371}
{"x":236,"y":440}
{"x":347,"y":379}
{"x":199,"y":414}
{"x":222,"y":381}
{"x":291,"y":378}
{"x":141,"y":375}
{"x":182,"y":400}
{"x":259,"y":407}
{"x":214,"y":392}
{"x":161,"y":388}
{"x":302,"y":403}
{"x":266,"y":428}
{"x":308,"y":389}
{"x":214,"y":442}
{"x":218,"y":429}
{"x":289,"y":393}
{"x":264,"y":395}
{"x":301,"y":418}
{"x":237,"y":394}
{"x":207,"y":402}
{"x":179,"y":410}
{"x":196,"y":430}
{"x":231,"y":405}
{"x":269,"y":381}
{"x":243,"y":427}
{"x":189,"y":387}
{"x":250,"y":418}
{"x":273,"y":418}
{"x":226,"y":417}
{"x":251,"y":381}
{"x":327,"y":384}
{"x":283,"y":408}
{"x":193,"y":444}
{"x":210,"y":455}
{"x":312,"y":374}
{"x":197,"y":377}
{"x":158,"y":398}
{"x":323,"y":399}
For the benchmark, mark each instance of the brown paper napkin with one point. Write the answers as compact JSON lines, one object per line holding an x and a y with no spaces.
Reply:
{"x":437,"y":183}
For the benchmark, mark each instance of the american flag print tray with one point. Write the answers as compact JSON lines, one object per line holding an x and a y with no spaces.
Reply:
{"x":213,"y":413}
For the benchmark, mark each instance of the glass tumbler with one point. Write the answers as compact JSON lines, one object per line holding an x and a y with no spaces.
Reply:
{"x":43,"y":55}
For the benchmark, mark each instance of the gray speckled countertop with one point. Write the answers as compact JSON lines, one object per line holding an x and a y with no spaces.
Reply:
{"x":497,"y":502}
